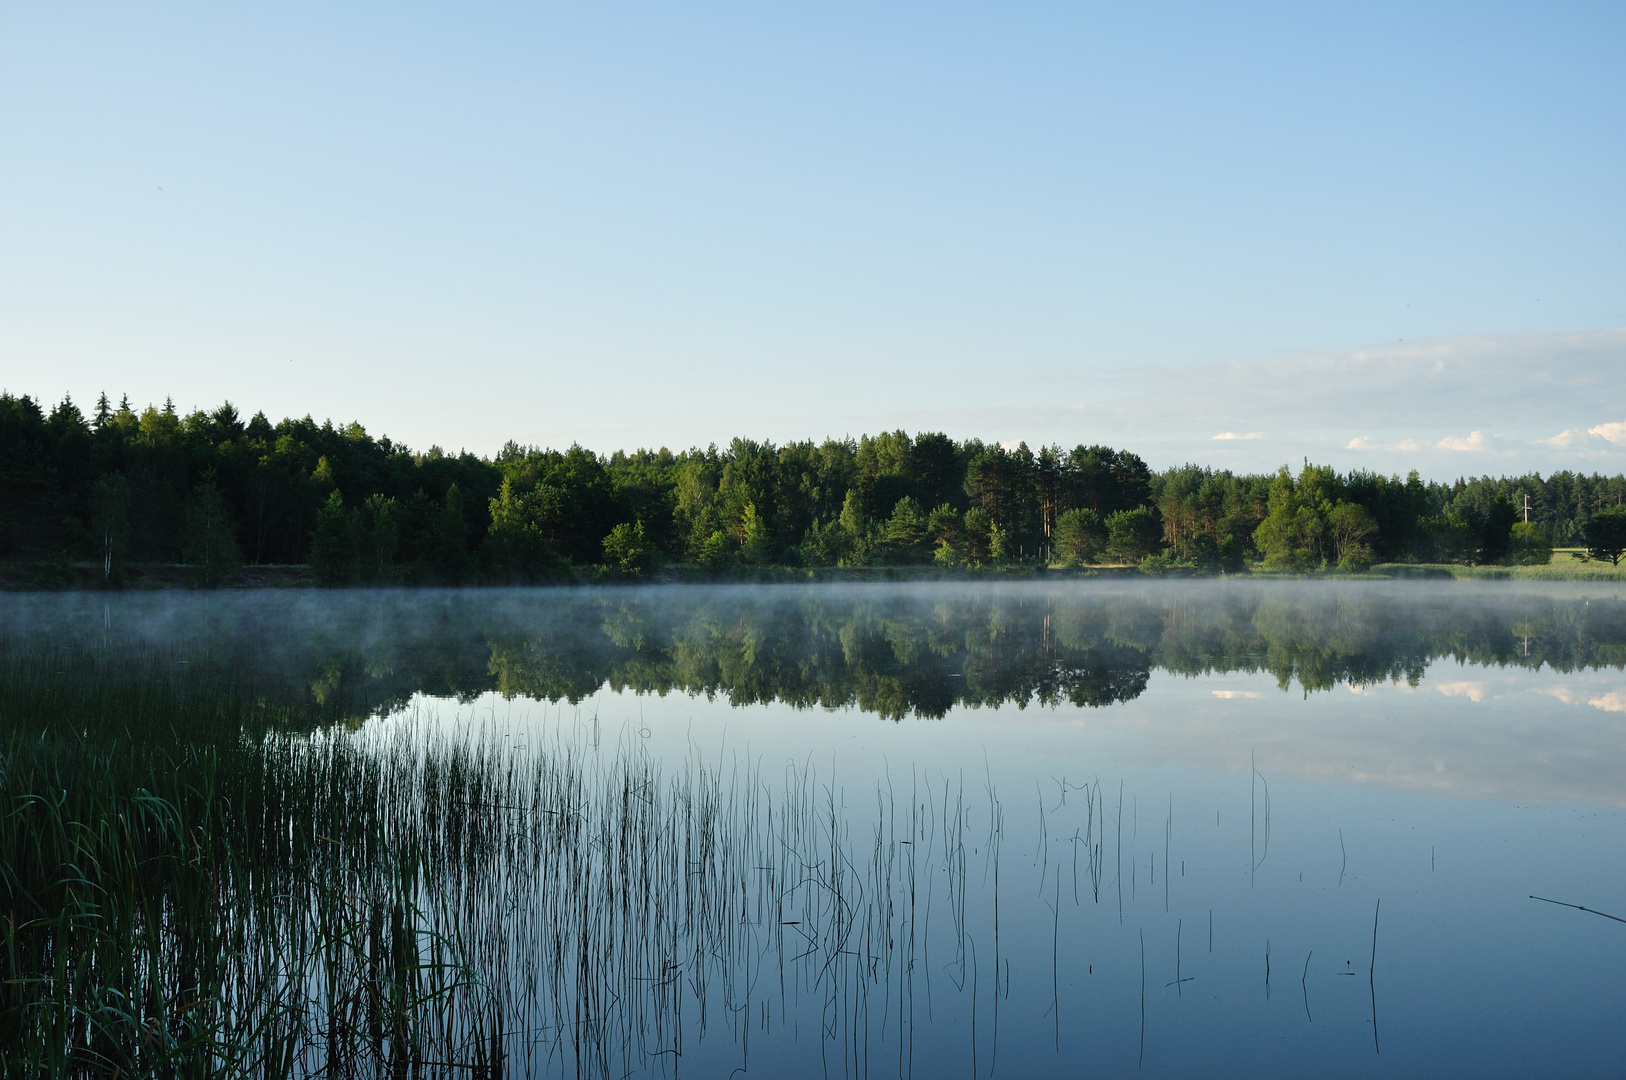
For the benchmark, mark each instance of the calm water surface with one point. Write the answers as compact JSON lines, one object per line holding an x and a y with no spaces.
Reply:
{"x":1189,"y":828}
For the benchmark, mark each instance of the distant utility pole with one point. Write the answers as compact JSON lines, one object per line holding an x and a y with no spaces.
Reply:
{"x":1527,"y":509}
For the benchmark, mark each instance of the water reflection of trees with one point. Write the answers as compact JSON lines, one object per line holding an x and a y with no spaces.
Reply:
{"x":895,"y":653}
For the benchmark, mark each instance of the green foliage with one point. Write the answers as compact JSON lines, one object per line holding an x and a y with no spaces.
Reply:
{"x":755,"y":539}
{"x":945,"y":535}
{"x":626,"y":548}
{"x":1395,"y":506}
{"x":1606,"y":535}
{"x":1164,"y":562}
{"x":1350,"y":528}
{"x":1208,"y":516}
{"x":335,"y":545}
{"x":515,"y":546}
{"x":529,"y":514}
{"x":446,"y":556}
{"x":208,"y":540}
{"x":1311,"y":524}
{"x":1290,"y":538}
{"x":1080,"y":536}
{"x":715,"y":552}
{"x":977,"y":529}
{"x":826,"y":544}
{"x":110,"y":523}
{"x":999,"y":544}
{"x":1496,"y":530}
{"x":1562,"y":502}
{"x":568,"y":500}
{"x":855,"y":519}
{"x":905,"y":537}
{"x":381,"y":538}
{"x":1133,"y":535}
{"x":1529,"y":545}
{"x":1445,"y":538}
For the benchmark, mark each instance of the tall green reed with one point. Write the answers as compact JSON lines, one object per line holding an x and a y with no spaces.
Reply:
{"x":193,"y":886}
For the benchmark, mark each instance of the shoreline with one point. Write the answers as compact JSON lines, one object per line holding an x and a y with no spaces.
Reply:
{"x":153,"y":577}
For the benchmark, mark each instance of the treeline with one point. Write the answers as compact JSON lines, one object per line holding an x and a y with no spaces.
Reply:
{"x":214,"y":491}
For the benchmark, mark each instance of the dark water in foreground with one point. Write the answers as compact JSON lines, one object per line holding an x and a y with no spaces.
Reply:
{"x":1191,"y":828}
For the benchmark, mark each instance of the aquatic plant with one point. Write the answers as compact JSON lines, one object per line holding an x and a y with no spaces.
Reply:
{"x":191,"y":889}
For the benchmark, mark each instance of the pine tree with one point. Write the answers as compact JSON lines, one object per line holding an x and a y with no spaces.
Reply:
{"x":208,"y":538}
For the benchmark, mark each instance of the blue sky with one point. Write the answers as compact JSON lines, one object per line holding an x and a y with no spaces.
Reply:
{"x":1377,"y":235}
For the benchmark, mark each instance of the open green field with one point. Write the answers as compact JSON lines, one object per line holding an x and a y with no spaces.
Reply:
{"x":1562,"y":567}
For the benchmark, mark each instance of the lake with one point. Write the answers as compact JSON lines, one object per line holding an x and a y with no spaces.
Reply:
{"x":1186,"y":827}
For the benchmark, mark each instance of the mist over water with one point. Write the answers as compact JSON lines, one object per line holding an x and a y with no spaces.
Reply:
{"x":1019,"y":829}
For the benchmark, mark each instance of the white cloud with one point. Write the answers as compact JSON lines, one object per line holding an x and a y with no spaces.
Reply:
{"x":1475,"y":442}
{"x":1568,"y":439}
{"x":1230,"y":694}
{"x":1605,"y":440}
{"x":1228,"y":435}
{"x":1614,"y":701}
{"x":1614,"y":431}
{"x":1473,"y":691}
{"x":1562,"y":693}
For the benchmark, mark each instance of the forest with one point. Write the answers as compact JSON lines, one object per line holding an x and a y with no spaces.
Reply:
{"x":96,"y":497}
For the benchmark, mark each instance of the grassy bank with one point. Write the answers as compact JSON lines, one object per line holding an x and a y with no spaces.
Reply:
{"x":56,"y":574}
{"x":86,"y":577}
{"x":1562,"y":568}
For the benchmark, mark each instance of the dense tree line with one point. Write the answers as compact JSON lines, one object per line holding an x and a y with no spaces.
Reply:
{"x":215,"y":491}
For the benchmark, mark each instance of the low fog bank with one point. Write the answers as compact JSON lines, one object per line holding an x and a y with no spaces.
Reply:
{"x":166,"y":616}
{"x":1491,"y":690}
{"x":896,"y":650}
